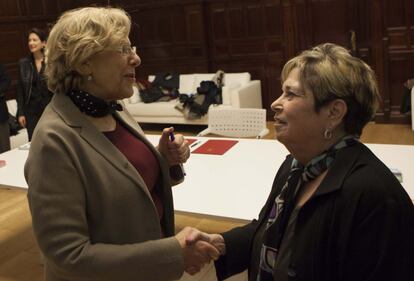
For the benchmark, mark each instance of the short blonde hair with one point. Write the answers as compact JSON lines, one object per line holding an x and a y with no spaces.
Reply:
{"x":77,"y":35}
{"x":330,"y":72}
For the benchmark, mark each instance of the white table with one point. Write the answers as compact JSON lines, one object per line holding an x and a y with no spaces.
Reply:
{"x":12,"y":174}
{"x":234,"y":185}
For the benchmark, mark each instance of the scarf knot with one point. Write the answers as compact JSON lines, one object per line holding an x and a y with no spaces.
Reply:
{"x":92,"y":105}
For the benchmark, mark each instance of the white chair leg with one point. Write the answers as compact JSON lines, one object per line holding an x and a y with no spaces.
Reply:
{"x":204,"y":132}
{"x":263,"y":133}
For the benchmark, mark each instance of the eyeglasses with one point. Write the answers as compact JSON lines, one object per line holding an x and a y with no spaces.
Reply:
{"x":127,"y":50}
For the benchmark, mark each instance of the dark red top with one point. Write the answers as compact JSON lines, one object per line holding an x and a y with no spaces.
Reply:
{"x":141,"y":157}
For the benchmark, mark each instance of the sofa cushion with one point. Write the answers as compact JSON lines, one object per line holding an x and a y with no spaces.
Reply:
{"x":162,"y":108}
{"x":135,"y":96}
{"x":226,"y":93}
{"x":200,"y":77}
{"x":232,"y":78}
{"x":187,"y":84}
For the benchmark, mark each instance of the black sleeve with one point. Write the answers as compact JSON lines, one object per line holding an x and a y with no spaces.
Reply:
{"x":20,"y":94}
{"x":238,"y":244}
{"x":4,"y":80}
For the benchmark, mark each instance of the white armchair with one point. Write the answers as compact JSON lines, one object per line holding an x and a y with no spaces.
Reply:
{"x":239,"y":91}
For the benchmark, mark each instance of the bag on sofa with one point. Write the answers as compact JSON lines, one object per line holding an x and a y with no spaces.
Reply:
{"x":197,"y":105}
{"x":167,"y":80}
{"x":14,"y":126}
{"x":151,"y":94}
{"x":163,"y":88}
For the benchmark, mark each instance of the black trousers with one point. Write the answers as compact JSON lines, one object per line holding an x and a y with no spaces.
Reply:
{"x":31,"y":122}
{"x":4,"y":136}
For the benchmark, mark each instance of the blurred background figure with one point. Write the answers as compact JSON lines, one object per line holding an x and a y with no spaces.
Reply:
{"x":33,"y":94}
{"x":4,"y":113}
{"x":406,"y":100}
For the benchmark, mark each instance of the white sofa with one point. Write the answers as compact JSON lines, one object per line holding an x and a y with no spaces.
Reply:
{"x":239,"y":91}
{"x":22,"y":137}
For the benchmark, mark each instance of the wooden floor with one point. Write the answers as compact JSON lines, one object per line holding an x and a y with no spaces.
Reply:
{"x":19,"y":256}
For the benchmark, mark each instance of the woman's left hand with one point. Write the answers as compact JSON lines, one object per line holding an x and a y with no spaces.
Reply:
{"x":177,"y":151}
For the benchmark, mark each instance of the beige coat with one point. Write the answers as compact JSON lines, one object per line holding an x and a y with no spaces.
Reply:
{"x":93,"y":216}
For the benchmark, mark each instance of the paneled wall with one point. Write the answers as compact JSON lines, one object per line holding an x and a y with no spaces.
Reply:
{"x":257,"y":36}
{"x":397,"y":51}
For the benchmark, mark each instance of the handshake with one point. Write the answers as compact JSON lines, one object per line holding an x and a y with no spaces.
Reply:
{"x":199,"y":248}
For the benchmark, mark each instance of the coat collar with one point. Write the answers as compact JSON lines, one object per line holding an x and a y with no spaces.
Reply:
{"x":339,"y":170}
{"x":71,"y":115}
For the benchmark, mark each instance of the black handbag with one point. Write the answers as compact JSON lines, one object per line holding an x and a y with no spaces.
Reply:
{"x":151,"y":94}
{"x":14,"y":126}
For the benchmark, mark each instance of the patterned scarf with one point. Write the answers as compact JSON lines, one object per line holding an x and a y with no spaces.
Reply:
{"x":285,"y":203}
{"x":91,"y":105}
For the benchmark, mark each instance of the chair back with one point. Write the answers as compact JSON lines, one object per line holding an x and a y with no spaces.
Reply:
{"x":236,"y":122}
{"x":12,"y":107}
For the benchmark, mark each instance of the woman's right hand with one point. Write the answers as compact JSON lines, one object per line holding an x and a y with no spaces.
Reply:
{"x":22,"y":121}
{"x":196,"y":254}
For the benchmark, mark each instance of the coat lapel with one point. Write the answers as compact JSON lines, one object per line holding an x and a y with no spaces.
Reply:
{"x":341,"y":167}
{"x":74,"y":118}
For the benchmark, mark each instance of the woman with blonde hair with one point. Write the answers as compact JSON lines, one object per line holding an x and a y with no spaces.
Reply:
{"x":335,"y":211}
{"x":99,"y":191}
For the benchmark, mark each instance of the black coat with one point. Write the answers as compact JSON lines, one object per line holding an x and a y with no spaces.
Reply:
{"x":24,"y":90}
{"x":359,"y":225}
{"x":27,"y":74}
{"x":4,"y":85}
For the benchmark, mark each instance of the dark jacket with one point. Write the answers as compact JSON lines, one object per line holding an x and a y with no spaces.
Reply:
{"x":24,"y":91}
{"x":4,"y":85}
{"x":359,"y":225}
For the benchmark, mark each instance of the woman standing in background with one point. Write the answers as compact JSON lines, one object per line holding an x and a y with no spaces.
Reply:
{"x":32,"y":94}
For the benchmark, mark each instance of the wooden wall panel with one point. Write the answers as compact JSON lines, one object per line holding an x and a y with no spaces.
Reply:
{"x":9,"y":8}
{"x":170,"y":37}
{"x":248,"y":36}
{"x":329,"y":21}
{"x":396,"y":44}
{"x":188,"y":36}
{"x":9,"y":35}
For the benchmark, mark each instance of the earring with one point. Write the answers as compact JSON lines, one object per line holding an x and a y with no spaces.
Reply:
{"x":89,"y":78}
{"x":327,"y":134}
